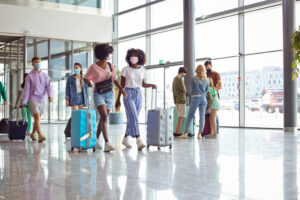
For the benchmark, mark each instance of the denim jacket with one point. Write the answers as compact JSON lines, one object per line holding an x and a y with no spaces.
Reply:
{"x":71,"y":91}
{"x":199,"y":87}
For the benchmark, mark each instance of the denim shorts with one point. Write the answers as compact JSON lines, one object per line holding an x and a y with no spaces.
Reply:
{"x":80,"y":100}
{"x":104,"y":99}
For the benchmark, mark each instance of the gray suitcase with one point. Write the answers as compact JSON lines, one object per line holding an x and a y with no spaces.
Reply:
{"x":159,"y":126}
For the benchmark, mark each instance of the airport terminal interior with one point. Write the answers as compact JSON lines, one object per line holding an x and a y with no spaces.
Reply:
{"x":256,"y":152}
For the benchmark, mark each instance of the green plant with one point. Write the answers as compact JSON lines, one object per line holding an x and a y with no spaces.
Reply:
{"x":296,"y":50}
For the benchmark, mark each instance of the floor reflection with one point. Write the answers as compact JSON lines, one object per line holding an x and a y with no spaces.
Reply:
{"x":241,"y":164}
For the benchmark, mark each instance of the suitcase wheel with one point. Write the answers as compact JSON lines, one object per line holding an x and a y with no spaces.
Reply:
{"x":72,"y":148}
{"x":94,"y":149}
{"x":80,"y":149}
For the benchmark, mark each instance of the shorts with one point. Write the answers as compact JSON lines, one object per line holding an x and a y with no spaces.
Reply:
{"x":80,"y":100}
{"x":104,"y":99}
{"x":37,"y":107}
{"x":180,"y":110}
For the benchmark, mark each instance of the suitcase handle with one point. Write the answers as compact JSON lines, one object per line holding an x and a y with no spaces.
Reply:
{"x":155,"y":99}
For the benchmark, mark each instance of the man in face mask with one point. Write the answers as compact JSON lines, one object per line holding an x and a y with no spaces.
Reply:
{"x":179,"y":96}
{"x":37,"y":84}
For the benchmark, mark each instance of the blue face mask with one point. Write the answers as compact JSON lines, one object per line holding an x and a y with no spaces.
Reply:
{"x":37,"y":65}
{"x":76,"y":71}
{"x":182,"y":76}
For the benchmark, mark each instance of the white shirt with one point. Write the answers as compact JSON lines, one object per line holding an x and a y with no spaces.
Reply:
{"x":134,"y":77}
{"x":78,"y":86}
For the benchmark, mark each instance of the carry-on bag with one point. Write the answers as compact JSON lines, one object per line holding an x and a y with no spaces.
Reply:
{"x":159,"y":126}
{"x":17,"y":128}
{"x":83,"y":130}
{"x":175,"y":119}
{"x":68,"y":129}
{"x":4,"y":125}
{"x":206,"y":130}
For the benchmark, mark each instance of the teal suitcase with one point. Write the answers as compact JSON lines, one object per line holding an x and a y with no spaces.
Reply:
{"x":175,"y":118}
{"x":83,"y":130}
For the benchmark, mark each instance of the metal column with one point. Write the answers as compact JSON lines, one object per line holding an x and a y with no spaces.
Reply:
{"x":290,"y":86}
{"x":241,"y":67}
{"x":49,"y":67}
{"x":24,"y":56}
{"x":189,"y":40}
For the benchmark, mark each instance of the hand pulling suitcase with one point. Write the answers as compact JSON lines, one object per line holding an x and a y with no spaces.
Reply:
{"x":83,"y":130}
{"x":17,"y":129}
{"x":159,"y":126}
{"x":175,"y":119}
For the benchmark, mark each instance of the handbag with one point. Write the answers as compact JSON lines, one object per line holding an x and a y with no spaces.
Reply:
{"x":105,"y":86}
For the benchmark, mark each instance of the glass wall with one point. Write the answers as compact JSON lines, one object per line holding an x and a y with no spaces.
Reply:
{"x":219,"y":39}
{"x":87,"y":3}
{"x":63,"y":54}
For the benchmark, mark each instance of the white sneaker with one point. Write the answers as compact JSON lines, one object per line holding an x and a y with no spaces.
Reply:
{"x":99,"y":146}
{"x":125,"y":142}
{"x":183,"y":136}
{"x":108,"y":147}
{"x":140,"y":143}
{"x":199,"y":136}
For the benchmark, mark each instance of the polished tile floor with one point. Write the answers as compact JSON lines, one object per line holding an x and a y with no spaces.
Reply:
{"x":241,"y":164}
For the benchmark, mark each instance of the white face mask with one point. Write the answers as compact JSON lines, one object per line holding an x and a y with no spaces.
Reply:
{"x":109,"y":57}
{"x":134,"y":60}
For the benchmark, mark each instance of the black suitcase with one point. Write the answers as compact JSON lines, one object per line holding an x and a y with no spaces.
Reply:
{"x":4,"y":125}
{"x":17,"y":130}
{"x":68,"y":129}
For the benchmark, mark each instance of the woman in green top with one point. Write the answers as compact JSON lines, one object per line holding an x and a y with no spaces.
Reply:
{"x":213,"y":105}
{"x":2,"y":93}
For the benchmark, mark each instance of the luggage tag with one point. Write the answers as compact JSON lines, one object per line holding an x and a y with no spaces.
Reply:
{"x":86,"y":136}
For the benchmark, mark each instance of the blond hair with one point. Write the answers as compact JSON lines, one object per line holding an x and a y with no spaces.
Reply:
{"x":201,"y":72}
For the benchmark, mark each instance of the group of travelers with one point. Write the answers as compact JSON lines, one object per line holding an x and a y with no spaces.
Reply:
{"x":102,"y":74}
{"x":204,"y":95}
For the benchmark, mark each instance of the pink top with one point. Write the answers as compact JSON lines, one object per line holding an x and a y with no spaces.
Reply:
{"x":96,"y":74}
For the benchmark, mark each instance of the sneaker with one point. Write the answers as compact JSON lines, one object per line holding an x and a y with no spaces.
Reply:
{"x":140,"y":144}
{"x":210,"y":136}
{"x":99,"y":146}
{"x":41,"y":138}
{"x":108,"y":147}
{"x":28,"y":133}
{"x":33,"y":137}
{"x":199,"y":136}
{"x":125,"y":142}
{"x":184,"y":136}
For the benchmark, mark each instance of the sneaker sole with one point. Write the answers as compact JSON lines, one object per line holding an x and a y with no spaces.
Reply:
{"x":109,"y":150}
{"x":141,"y":148}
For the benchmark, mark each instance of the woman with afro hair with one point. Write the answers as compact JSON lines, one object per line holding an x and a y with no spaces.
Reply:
{"x":103,"y":75}
{"x":132,"y":79}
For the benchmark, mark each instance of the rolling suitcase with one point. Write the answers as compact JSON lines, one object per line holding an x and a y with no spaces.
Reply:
{"x":17,"y":129}
{"x":4,"y":125}
{"x":175,"y":118}
{"x":206,"y":130}
{"x":83,"y":130}
{"x":159,"y":126}
{"x":68,"y":129}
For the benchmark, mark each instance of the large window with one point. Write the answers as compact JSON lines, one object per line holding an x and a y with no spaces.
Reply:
{"x":264,"y":90}
{"x":127,"y":4}
{"x":167,"y":46}
{"x":204,"y":7}
{"x":132,"y":22}
{"x":217,"y":38}
{"x":263,"y":30}
{"x":172,"y":13}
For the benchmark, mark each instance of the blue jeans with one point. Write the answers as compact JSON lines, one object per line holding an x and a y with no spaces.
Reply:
{"x":197,"y":102}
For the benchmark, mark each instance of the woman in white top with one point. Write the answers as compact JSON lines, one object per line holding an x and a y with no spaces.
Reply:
{"x":26,"y":113}
{"x":132,"y":79}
